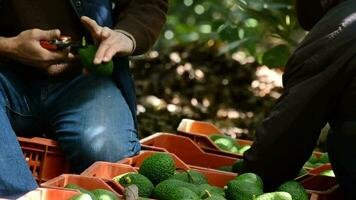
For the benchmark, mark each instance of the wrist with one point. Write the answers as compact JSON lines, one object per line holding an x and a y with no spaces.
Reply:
{"x":7,"y":46}
{"x":130,"y":36}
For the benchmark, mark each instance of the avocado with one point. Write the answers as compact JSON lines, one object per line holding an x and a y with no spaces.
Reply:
{"x":82,"y":190}
{"x":234,"y":149}
{"x":145,"y":186}
{"x":238,"y":166}
{"x":225,"y":168}
{"x":102,"y":194}
{"x":294,"y":189}
{"x":181,"y":193}
{"x":191,"y":176}
{"x":313,"y":159}
{"x":86,"y":56}
{"x":214,"y":137}
{"x":81,"y":196}
{"x":215,"y":197}
{"x":250,"y":178}
{"x":242,"y":190}
{"x":274,"y":196}
{"x":324,"y":158}
{"x":207,"y":190}
{"x":158,"y":167}
{"x":244,"y":148}
{"x":225,"y":143}
{"x":165,"y":187}
{"x":328,"y":172}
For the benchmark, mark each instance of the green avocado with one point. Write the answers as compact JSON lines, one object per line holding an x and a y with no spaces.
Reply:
{"x":145,"y":186}
{"x":294,"y":189}
{"x":191,"y":176}
{"x":86,"y":56}
{"x":102,"y":194}
{"x":158,"y":167}
{"x":274,"y":196}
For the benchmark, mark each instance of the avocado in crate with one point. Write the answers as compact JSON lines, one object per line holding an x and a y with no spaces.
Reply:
{"x":317,"y":160}
{"x":97,"y":194}
{"x":229,"y":144}
{"x":250,"y":186}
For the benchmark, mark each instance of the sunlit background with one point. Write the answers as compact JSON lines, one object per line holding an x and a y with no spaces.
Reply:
{"x":219,"y":61}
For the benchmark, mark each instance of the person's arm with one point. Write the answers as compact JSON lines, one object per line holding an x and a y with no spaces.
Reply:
{"x":315,"y":79}
{"x":142,"y":21}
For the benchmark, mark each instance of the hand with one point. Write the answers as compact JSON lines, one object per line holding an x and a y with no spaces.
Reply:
{"x":27,"y":50}
{"x":110,"y":42}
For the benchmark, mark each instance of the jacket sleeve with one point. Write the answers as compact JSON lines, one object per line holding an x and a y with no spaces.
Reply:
{"x":315,"y":78}
{"x":142,"y":21}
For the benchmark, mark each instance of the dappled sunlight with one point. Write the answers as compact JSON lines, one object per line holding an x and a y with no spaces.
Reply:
{"x":267,"y":80}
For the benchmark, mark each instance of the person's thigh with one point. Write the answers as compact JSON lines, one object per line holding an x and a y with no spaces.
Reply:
{"x":92,"y":121}
{"x":15,"y":113}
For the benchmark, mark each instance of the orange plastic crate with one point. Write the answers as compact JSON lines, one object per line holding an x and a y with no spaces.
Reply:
{"x":49,"y":194}
{"x":88,"y":183}
{"x":215,"y":177}
{"x":188,"y":151}
{"x":107,"y":171}
{"x":200,"y":131}
{"x":44,"y":158}
{"x":137,"y":160}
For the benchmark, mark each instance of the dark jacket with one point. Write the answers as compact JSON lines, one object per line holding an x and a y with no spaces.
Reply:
{"x":319,"y":87}
{"x":101,"y":11}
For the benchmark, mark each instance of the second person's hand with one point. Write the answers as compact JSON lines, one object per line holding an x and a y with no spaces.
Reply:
{"x":110,"y":42}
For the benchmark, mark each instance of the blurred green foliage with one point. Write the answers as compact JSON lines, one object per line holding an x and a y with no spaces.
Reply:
{"x":204,"y":65}
{"x":266,"y":29}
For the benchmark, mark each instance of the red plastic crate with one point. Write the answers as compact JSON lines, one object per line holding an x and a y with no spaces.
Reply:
{"x":44,"y":158}
{"x":200,"y":131}
{"x":322,"y":188}
{"x":85,"y":182}
{"x":49,"y":194}
{"x":320,"y":169}
{"x":188,"y":151}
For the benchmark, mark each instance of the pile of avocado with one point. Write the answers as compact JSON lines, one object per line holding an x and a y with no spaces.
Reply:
{"x":249,"y":186}
{"x":97,"y":194}
{"x":315,"y":161}
{"x":229,"y":144}
{"x":159,"y":179}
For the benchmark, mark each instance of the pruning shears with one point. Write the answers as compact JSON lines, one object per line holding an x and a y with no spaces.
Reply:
{"x":62,"y":43}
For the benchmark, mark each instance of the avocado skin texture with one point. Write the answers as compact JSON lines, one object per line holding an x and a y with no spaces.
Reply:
{"x":145,"y":186}
{"x":86,"y":57}
{"x":82,"y":196}
{"x":102,"y":194}
{"x":158,"y":167}
{"x":294,"y":189}
{"x":274,"y":196}
{"x":245,"y":187}
{"x":82,"y":190}
{"x":173,"y":189}
{"x":191,"y":176}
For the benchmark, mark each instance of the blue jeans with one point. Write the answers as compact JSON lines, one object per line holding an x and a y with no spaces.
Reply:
{"x":87,"y":115}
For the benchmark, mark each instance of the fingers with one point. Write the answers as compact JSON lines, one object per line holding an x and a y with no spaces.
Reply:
{"x":93,"y":27}
{"x":109,"y":53}
{"x":46,"y":35}
{"x":101,"y":51}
